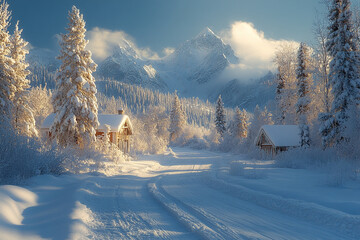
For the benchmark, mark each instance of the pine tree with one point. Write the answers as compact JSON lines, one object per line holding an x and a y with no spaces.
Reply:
{"x":177,"y":119}
{"x":22,"y":116}
{"x":323,"y":98}
{"x":303,"y":83}
{"x":74,"y":101}
{"x":281,"y":108}
{"x":234,"y":127}
{"x":220,"y":121}
{"x":333,"y":28}
{"x":7,"y":85}
{"x":285,"y":59}
{"x":344,"y":73}
{"x":244,"y":124}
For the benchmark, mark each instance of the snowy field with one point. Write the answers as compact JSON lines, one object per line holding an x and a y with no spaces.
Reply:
{"x":184,"y":194}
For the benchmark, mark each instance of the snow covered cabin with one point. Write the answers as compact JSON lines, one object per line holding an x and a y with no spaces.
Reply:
{"x":275,"y":138}
{"x":119,"y":128}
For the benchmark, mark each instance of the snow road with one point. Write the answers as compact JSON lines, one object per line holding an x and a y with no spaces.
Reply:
{"x":185,"y":194}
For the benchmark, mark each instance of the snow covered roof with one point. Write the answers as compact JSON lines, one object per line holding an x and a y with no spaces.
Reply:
{"x":115,"y":121}
{"x":281,"y":135}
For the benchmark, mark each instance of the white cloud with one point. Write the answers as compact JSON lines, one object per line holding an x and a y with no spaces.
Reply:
{"x":167,"y":51}
{"x":102,"y":42}
{"x":147,"y":53}
{"x":255,"y":51}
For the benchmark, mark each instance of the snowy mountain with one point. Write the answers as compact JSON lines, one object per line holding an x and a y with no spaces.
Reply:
{"x":41,"y":57}
{"x":189,"y":69}
{"x":194,"y":63}
{"x":127,"y":66}
{"x":247,"y":95}
{"x":194,"y":69}
{"x":201,"y":59}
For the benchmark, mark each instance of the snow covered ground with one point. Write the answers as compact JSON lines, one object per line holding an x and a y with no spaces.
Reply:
{"x":184,"y":194}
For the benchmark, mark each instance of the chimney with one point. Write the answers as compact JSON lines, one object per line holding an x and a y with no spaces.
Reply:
{"x":120,"y":111}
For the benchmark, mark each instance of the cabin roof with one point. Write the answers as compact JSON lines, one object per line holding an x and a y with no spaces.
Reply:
{"x":114,"y":121}
{"x":281,"y":135}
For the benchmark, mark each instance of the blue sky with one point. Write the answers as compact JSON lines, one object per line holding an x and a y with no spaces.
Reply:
{"x":158,"y":24}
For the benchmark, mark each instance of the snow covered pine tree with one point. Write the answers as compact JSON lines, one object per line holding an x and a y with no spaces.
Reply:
{"x":285,"y":59}
{"x":344,"y":73}
{"x":244,"y":124}
{"x":7,"y":86}
{"x":220,"y":121}
{"x":22,"y":116}
{"x":303,"y":77}
{"x":280,"y":106}
{"x":241,"y":123}
{"x":177,"y":119}
{"x":75,"y":103}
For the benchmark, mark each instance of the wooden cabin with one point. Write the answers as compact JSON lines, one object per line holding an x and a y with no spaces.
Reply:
{"x":277,"y":138}
{"x":117,"y":126}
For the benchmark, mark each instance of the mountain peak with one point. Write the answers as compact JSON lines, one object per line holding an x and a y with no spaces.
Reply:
{"x":206,"y":32}
{"x":124,"y":48}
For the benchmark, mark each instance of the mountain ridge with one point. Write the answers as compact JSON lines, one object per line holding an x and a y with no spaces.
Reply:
{"x":194,"y":69}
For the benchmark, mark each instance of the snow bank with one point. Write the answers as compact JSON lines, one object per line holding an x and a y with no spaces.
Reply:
{"x":52,"y":208}
{"x":84,"y":218}
{"x":347,"y":223}
{"x":13,"y":201}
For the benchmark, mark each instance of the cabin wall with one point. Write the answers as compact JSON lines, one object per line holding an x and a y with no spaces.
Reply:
{"x":123,"y":142}
{"x":119,"y":139}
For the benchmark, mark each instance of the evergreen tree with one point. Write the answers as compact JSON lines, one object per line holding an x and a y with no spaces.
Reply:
{"x":303,"y":83}
{"x":285,"y":59}
{"x":323,"y":98}
{"x":239,"y":127}
{"x":344,"y":72}
{"x":280,"y":106}
{"x":74,"y":101}
{"x":333,"y":28}
{"x":177,"y":119}
{"x":220,"y":121}
{"x":244,"y":124}
{"x":22,"y":116}
{"x":7,"y":85}
{"x":234,"y":127}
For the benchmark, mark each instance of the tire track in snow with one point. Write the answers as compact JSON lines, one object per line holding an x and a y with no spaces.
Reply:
{"x":124,"y":209}
{"x":134,"y":223}
{"x":346,"y":223}
{"x":196,"y":219}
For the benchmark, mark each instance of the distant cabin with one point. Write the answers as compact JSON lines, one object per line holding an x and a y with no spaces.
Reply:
{"x":119,"y":128}
{"x":277,"y":138}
